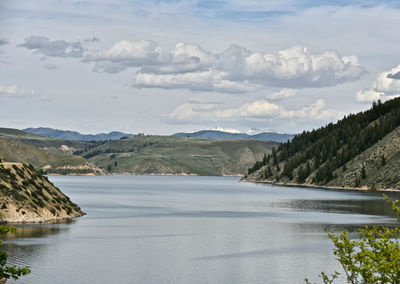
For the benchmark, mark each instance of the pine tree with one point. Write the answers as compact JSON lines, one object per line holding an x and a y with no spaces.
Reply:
{"x":363,"y":173}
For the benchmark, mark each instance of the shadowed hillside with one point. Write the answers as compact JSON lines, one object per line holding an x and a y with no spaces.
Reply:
{"x":359,"y":151}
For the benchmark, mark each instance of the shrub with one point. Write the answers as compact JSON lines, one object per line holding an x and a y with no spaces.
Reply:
{"x":374,"y":257}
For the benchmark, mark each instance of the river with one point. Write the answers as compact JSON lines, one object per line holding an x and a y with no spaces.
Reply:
{"x":174,"y":229}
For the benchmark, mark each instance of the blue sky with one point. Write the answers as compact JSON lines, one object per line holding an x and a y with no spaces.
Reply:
{"x":161,"y":67}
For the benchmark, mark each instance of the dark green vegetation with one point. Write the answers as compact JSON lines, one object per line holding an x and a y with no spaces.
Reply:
{"x":7,"y":272}
{"x":373,"y":257}
{"x":361,"y":150}
{"x":178,"y":155}
{"x":27,"y":196}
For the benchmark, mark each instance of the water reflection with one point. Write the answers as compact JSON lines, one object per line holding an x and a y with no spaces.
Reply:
{"x":191,"y":230}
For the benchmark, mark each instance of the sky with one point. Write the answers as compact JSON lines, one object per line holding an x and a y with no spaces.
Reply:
{"x":167,"y":66}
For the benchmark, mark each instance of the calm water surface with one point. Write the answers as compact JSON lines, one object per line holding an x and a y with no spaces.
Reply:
{"x":160,"y":229}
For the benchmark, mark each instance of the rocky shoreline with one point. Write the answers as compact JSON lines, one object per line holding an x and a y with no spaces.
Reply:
{"x":26,"y":196}
{"x":291,"y":184}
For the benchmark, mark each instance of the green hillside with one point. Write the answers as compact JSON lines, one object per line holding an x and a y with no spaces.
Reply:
{"x":14,"y":151}
{"x":178,"y":155}
{"x":48,"y":144}
{"x":359,"y":151}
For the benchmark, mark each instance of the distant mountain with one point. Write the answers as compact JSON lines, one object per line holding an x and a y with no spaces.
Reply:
{"x":76,"y":136}
{"x":360,"y":151}
{"x":217,"y":134}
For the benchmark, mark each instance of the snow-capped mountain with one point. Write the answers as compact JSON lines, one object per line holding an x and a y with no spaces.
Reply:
{"x":225,"y":129}
{"x":254,"y":131}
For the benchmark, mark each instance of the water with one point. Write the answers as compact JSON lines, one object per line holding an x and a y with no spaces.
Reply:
{"x":162,"y":229}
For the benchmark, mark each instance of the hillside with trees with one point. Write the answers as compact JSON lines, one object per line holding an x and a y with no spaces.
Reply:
{"x":27,"y":196}
{"x":360,"y":151}
{"x":178,"y":155}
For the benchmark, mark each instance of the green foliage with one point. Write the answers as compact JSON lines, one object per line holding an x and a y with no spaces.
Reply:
{"x":8,"y":272}
{"x":373,"y":257}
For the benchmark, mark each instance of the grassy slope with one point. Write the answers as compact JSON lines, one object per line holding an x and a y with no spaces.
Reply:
{"x":180,"y":155}
{"x":44,"y":143}
{"x":13,"y":151}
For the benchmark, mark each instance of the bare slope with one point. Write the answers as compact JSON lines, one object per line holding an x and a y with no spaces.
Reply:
{"x":48,"y":144}
{"x":27,"y":196}
{"x":13,"y":151}
{"x":178,"y":155}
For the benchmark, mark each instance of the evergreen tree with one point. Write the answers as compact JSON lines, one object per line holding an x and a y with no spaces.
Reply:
{"x":363,"y":173}
{"x":383,"y":160}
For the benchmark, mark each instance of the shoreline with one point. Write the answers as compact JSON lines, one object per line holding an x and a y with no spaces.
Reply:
{"x":41,"y":220}
{"x":292,"y":184}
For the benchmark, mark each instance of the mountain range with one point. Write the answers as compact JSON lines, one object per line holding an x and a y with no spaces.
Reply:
{"x":76,"y":136}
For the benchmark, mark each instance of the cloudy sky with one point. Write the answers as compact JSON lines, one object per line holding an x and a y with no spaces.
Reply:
{"x":166,"y":66}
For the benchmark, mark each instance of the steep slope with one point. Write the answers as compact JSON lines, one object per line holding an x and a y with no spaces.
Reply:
{"x":178,"y":155}
{"x":13,"y":151}
{"x":214,"y":134}
{"x":76,"y":136}
{"x":27,"y":196}
{"x":360,"y":151}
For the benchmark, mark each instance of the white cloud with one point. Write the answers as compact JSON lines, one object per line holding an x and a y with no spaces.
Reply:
{"x":15,"y":91}
{"x":386,"y":86}
{"x":56,"y":48}
{"x":281,"y":94}
{"x":195,"y":81}
{"x":260,"y":110}
{"x":188,"y":66}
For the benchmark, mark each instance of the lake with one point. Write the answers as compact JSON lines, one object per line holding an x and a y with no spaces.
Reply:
{"x":170,"y":229}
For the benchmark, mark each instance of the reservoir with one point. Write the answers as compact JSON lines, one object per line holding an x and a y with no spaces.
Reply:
{"x":181,"y":229}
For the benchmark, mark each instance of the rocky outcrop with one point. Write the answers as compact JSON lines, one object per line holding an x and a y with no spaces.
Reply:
{"x":28,"y":196}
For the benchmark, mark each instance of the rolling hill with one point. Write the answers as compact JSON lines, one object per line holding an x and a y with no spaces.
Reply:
{"x":360,"y":151}
{"x":178,"y":155}
{"x":14,"y":151}
{"x":76,"y":136}
{"x":48,"y":144}
{"x":215,"y":134}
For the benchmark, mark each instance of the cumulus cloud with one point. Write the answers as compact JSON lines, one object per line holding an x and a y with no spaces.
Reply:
{"x":195,"y":81}
{"x":189,"y":66}
{"x":15,"y":91}
{"x":386,"y":86}
{"x":56,"y":48}
{"x":256,"y":110}
{"x":3,"y":41}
